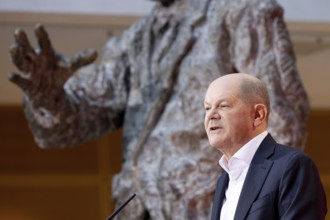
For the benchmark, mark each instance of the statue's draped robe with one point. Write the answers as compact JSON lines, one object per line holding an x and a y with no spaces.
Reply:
{"x":151,"y":82}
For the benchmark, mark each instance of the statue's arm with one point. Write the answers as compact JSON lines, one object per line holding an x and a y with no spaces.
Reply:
{"x":65,"y":106}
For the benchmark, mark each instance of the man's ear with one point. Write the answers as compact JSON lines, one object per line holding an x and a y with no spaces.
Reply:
{"x":260,"y":114}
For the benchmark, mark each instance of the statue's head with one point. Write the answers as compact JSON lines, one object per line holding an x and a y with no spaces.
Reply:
{"x":165,"y":3}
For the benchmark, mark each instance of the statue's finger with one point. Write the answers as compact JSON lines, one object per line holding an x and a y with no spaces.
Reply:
{"x":23,"y":46}
{"x":43,"y":40}
{"x":21,"y":82}
{"x":17,"y":56}
{"x":21,"y":58}
{"x":82,"y":58}
{"x":23,"y":41}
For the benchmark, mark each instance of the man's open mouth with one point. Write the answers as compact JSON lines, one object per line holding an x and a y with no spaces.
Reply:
{"x":214,"y":128}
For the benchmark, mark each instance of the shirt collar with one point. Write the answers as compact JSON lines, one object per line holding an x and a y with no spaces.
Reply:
{"x":245,"y":153}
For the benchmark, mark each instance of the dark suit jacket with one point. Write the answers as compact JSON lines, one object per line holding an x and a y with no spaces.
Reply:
{"x":281,"y":183}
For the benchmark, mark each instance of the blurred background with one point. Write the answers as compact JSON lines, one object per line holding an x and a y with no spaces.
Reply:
{"x":75,"y":183}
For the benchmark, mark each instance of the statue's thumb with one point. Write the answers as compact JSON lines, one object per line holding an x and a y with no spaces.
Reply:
{"x":82,"y":58}
{"x":21,"y":82}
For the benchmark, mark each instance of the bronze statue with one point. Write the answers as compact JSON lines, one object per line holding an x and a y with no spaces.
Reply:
{"x":151,"y":82}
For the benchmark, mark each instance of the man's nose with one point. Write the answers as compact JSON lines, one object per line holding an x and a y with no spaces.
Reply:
{"x":213,"y":114}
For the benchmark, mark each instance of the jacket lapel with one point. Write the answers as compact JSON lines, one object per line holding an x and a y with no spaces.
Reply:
{"x":219,"y":196}
{"x":257,"y":173}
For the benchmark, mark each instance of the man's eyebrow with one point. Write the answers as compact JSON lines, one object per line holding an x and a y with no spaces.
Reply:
{"x":217,"y":101}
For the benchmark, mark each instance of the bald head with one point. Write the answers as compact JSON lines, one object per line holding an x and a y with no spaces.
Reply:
{"x":251,"y":89}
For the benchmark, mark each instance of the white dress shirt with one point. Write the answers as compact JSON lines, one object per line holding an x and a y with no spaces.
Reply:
{"x":237,"y":168}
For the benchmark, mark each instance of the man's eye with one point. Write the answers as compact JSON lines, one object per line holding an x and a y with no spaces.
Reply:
{"x":207,"y":108}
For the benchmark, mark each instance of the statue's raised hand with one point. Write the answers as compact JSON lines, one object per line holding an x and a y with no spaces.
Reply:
{"x":43,"y":71}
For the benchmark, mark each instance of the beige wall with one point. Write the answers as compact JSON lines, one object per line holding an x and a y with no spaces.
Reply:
{"x":312,"y":46}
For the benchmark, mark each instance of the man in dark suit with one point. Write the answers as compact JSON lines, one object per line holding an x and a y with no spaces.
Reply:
{"x":262,"y":179}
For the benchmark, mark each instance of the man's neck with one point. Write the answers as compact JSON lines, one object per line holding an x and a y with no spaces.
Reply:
{"x":228,"y":152}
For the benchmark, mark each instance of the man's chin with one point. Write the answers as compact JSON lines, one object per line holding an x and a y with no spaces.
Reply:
{"x":216,"y":144}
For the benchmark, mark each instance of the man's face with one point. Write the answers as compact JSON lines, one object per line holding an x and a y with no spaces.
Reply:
{"x":228,"y":119}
